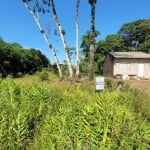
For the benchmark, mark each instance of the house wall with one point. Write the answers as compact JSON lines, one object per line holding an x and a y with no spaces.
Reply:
{"x":147,"y":70}
{"x":108,"y":66}
{"x":131,"y":67}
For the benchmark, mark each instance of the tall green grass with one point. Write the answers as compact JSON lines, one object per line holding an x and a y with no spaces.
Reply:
{"x":76,"y":118}
{"x":95,"y":121}
{"x":21,"y":112}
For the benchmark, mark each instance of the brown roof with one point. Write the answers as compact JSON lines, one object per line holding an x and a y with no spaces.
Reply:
{"x":130,"y":54}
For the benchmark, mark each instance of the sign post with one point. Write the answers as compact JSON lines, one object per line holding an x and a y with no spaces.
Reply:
{"x":100,"y":82}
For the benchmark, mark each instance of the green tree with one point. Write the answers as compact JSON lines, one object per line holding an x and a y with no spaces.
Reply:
{"x":114,"y":42}
{"x":15,"y":59}
{"x":136,"y":35}
{"x":85,"y":54}
{"x":111,"y":43}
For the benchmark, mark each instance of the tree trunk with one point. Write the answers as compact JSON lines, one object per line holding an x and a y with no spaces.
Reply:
{"x":77,"y":40}
{"x":91,"y":63}
{"x":46,"y":39}
{"x":62,"y":35}
{"x":92,"y":42}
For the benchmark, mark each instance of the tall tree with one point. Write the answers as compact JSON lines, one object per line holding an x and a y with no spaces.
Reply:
{"x":34,"y":12}
{"x":15,"y":60}
{"x":86,"y":54}
{"x":62,"y":35}
{"x":77,"y":38}
{"x":111,"y":43}
{"x":136,"y":35}
{"x":92,"y":40}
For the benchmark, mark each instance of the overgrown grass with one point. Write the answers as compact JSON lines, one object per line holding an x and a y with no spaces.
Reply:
{"x":75,"y":117}
{"x":22,"y":110}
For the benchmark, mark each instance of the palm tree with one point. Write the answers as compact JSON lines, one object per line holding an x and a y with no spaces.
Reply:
{"x":92,"y":40}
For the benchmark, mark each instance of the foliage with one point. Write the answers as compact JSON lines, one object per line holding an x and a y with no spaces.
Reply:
{"x":111,"y":43}
{"x":110,"y":83}
{"x":136,"y":35}
{"x":43,"y":75}
{"x":133,"y":36}
{"x":141,"y":103}
{"x":16,"y":60}
{"x":86,"y":42}
{"x":102,"y":47}
{"x":34,"y":117}
{"x":85,"y":53}
{"x":99,"y":121}
{"x":84,"y":66}
{"x":22,"y":110}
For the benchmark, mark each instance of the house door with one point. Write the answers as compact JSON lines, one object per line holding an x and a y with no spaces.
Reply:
{"x":141,"y":70}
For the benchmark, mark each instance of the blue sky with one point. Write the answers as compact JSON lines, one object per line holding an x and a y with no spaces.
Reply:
{"x":17,"y":25}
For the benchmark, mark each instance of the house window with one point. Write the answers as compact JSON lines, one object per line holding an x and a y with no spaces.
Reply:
{"x":125,"y":66}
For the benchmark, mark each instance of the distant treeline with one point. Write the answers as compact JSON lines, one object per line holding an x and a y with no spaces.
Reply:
{"x":16,"y":60}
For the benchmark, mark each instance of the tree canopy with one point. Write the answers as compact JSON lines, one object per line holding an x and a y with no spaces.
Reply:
{"x":133,"y":36}
{"x":136,"y":35}
{"x":14,"y":59}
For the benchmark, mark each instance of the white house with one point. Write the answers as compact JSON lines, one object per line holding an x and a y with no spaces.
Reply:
{"x":127,"y":63}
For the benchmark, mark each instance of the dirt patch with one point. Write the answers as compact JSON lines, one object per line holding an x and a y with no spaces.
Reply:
{"x":143,"y":85}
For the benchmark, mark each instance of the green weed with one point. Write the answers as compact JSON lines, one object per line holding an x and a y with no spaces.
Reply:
{"x":34,"y":117}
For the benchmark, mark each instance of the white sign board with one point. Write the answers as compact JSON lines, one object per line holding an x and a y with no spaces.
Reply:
{"x":100,"y":82}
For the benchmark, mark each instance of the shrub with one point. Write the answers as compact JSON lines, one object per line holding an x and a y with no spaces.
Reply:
{"x":110,"y":83}
{"x":19,"y":74}
{"x":43,"y":75}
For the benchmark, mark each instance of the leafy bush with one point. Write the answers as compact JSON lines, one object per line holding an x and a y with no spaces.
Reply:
{"x":19,"y":74}
{"x":110,"y":83}
{"x":15,"y":59}
{"x":43,"y":75}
